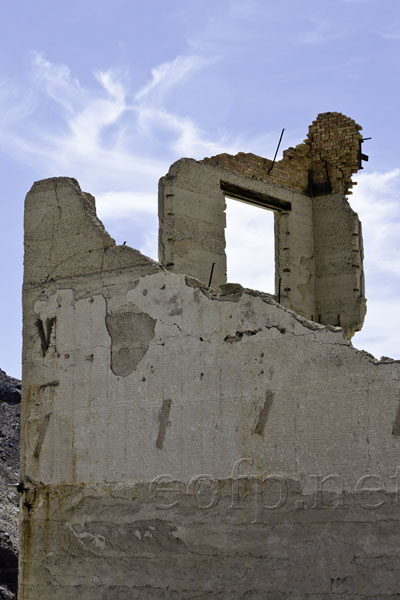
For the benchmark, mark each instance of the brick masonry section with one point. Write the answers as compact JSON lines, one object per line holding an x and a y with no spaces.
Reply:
{"x":325,"y":161}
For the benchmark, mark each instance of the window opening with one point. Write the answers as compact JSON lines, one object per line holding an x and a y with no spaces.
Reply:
{"x":250,"y":245}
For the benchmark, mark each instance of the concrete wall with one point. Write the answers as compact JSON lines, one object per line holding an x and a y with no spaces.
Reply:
{"x":318,"y":241}
{"x":176,"y":439}
{"x":192,"y":222}
{"x":338,"y":251}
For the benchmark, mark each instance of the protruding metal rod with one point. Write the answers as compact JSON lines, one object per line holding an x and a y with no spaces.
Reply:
{"x":211,"y":274}
{"x":277,"y":150}
{"x":362,"y":156}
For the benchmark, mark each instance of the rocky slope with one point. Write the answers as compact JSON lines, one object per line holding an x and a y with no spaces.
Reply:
{"x":10,"y":398}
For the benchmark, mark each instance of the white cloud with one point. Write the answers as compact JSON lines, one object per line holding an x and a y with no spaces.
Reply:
{"x":15,"y":106}
{"x":377,"y":201}
{"x":168,"y":75}
{"x":125,"y":205}
{"x":149,"y":246}
{"x":187,"y":139}
{"x":99,"y":136}
{"x":116,"y":147}
{"x":55,"y":81}
{"x":131,"y":217}
{"x":380,"y":335}
{"x":89,"y":135}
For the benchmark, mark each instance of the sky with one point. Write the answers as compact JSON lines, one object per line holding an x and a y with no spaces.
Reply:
{"x":112,"y":92}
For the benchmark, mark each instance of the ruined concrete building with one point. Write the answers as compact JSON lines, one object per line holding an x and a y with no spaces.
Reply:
{"x":182,"y":439}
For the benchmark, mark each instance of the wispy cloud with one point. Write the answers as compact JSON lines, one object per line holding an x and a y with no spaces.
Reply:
{"x":82,"y":131}
{"x":16,"y":106}
{"x":109,"y":134}
{"x":131,"y":216}
{"x":115,"y":139}
{"x":392,"y":32}
{"x":56,"y":81}
{"x":377,"y":201}
{"x":168,"y":75}
{"x":321,"y":32}
{"x":124,"y":205}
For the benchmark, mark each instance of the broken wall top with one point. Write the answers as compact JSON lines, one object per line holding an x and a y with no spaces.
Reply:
{"x":330,"y":155}
{"x":64,"y":237}
{"x":318,"y":241}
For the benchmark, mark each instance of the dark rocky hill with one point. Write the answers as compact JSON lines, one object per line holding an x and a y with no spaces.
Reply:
{"x":10,"y":400}
{"x":10,"y":389}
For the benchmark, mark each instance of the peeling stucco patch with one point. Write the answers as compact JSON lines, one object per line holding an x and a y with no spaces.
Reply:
{"x":131,"y":334}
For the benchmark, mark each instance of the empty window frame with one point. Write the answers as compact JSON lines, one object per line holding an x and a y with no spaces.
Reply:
{"x":250,"y":237}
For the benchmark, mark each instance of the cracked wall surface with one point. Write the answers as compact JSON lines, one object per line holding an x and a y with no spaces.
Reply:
{"x":182,"y":442}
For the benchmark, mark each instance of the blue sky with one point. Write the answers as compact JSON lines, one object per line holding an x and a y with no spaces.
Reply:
{"x":113,"y":91}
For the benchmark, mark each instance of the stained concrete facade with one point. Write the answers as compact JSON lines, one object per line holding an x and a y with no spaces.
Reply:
{"x":318,"y":240}
{"x":182,"y":441}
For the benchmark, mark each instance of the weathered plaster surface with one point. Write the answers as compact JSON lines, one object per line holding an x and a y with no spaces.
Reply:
{"x":318,"y":242}
{"x":176,"y":439}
